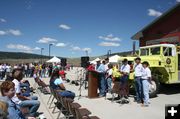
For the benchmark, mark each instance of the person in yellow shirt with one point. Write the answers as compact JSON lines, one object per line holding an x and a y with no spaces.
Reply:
{"x":116,"y":74}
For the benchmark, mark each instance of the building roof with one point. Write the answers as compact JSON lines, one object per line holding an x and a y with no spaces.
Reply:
{"x":165,"y":45}
{"x":139,"y":34}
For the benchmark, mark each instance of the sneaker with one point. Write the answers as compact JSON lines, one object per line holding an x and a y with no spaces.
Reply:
{"x":126,"y":97}
{"x":126,"y":101}
{"x":144,"y":105}
{"x":139,"y":102}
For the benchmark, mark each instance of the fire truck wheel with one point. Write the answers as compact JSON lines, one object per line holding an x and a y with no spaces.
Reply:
{"x":154,"y":88}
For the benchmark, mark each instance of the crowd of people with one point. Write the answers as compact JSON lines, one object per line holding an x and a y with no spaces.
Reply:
{"x":43,"y":70}
{"x":21,"y":104}
{"x":108,"y":73}
{"x":17,"y":92}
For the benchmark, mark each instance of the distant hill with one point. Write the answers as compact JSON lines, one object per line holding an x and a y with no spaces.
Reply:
{"x":20,"y":55}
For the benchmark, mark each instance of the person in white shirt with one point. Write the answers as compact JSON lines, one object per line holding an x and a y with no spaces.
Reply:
{"x":146,"y":80}
{"x":8,"y":70}
{"x":138,"y":82}
{"x":109,"y":77}
{"x":124,"y":70}
{"x":22,"y":101}
{"x":106,"y":64}
{"x":1,"y":71}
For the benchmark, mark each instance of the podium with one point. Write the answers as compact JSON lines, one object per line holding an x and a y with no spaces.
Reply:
{"x":92,"y":84}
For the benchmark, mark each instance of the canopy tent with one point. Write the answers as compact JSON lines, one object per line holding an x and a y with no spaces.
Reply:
{"x":95,"y":60}
{"x":54,"y":60}
{"x":114,"y":59}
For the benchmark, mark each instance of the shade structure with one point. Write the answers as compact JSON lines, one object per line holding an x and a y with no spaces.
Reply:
{"x":114,"y":59}
{"x":54,"y":60}
{"x":95,"y":60}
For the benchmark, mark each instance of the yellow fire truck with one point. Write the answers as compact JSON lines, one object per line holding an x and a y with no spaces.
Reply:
{"x":164,"y":60}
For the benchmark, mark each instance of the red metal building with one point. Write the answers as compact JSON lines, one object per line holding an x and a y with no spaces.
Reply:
{"x":164,"y":29}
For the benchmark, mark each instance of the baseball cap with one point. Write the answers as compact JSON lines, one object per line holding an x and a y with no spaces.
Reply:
{"x":62,"y":72}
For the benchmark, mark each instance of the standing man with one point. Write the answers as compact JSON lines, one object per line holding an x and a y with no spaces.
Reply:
{"x":106,"y":63}
{"x":146,"y":81}
{"x":100,"y":68}
{"x":1,"y":71}
{"x":138,"y":82}
{"x":43,"y":70}
{"x":124,"y":70}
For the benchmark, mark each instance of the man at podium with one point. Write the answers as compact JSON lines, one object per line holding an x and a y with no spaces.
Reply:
{"x":100,"y":68}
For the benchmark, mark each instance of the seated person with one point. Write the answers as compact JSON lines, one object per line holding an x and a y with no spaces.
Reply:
{"x":25,"y":88}
{"x":8,"y":91}
{"x":57,"y":83}
{"x":40,"y":82}
{"x":24,"y":84}
{"x":3,"y":109}
{"x":22,"y":101}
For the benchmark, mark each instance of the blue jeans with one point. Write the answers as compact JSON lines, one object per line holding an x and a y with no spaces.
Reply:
{"x":102,"y":84}
{"x":109,"y":82}
{"x":32,"y":104}
{"x":67,"y":94}
{"x":145,"y":91}
{"x":27,"y":88}
{"x":43,"y":72}
{"x":138,"y":89}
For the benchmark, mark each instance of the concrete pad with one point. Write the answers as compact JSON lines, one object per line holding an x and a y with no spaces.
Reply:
{"x":105,"y":109}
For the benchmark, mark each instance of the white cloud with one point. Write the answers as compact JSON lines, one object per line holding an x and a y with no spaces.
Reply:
{"x":3,"y":33}
{"x":64,"y":26}
{"x":2,"y":20}
{"x":109,"y":37}
{"x":14,"y":32}
{"x":37,"y":48}
{"x":22,"y":48}
{"x":76,"y":48}
{"x":61,"y":45}
{"x":152,"y":12}
{"x":11,"y":32}
{"x":89,"y":50}
{"x":177,"y":0}
{"x":108,"y":44}
{"x":46,"y":40}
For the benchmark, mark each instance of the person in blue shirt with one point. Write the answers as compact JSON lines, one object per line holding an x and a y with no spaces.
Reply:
{"x":100,"y":68}
{"x":57,"y":83}
{"x":8,"y":91}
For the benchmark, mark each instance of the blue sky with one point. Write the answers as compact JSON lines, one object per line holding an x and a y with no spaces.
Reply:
{"x":75,"y":26}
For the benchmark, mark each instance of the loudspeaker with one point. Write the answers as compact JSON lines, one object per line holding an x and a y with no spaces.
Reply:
{"x":63,"y":62}
{"x":84,"y":61}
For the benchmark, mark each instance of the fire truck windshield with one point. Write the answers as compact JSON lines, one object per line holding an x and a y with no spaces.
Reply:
{"x":144,"y":52}
{"x":155,"y":50}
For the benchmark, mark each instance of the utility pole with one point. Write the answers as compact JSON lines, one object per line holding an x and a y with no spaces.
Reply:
{"x":50,"y":50}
